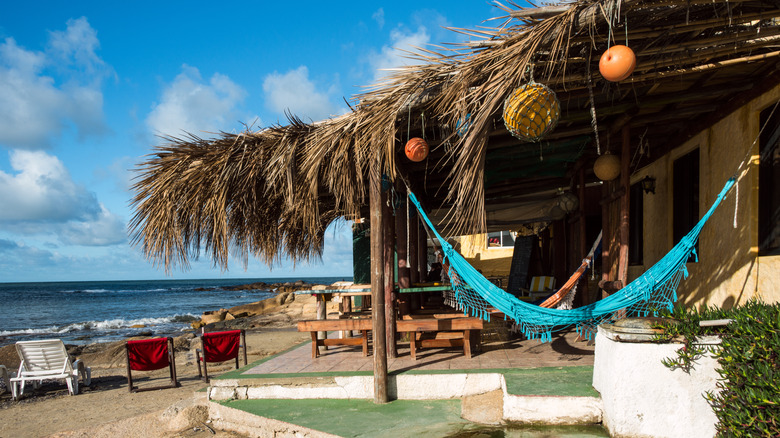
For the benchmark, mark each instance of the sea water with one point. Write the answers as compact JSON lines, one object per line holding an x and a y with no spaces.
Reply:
{"x":103,"y":311}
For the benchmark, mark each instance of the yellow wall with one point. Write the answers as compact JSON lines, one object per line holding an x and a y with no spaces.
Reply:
{"x":729,"y":271}
{"x":493,"y":262}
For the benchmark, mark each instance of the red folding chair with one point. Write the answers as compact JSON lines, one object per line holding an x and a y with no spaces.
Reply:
{"x":219,"y":347}
{"x":150,"y":355}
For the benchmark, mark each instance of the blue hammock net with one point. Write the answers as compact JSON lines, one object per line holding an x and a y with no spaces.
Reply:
{"x":654,"y":290}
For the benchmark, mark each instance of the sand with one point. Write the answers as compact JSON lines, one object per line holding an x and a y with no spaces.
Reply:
{"x":107,"y":409}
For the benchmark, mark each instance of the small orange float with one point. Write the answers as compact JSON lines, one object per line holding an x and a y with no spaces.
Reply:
{"x":416,"y":149}
{"x":617,"y":63}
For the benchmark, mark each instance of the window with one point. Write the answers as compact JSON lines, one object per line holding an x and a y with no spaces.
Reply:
{"x":685,"y":206}
{"x":769,"y":183}
{"x":635,"y":225}
{"x":501,"y":239}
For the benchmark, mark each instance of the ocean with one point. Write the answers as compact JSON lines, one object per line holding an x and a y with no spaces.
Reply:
{"x":104,"y":311}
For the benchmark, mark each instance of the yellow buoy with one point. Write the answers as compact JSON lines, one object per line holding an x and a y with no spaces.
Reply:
{"x":531,"y":112}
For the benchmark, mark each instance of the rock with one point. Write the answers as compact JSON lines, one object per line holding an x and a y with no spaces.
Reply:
{"x":282,"y":297}
{"x":229,"y":317}
{"x":487,"y":408}
{"x":182,"y":343}
{"x":213,"y":316}
{"x":184,"y":414}
{"x":138,"y":326}
{"x":197,"y":324}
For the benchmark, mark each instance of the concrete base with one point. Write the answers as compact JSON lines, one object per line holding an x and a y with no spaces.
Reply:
{"x":547,"y":410}
{"x":402,"y":387}
{"x":644,"y":398}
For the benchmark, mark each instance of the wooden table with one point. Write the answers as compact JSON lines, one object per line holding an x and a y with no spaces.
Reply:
{"x":456,"y":332}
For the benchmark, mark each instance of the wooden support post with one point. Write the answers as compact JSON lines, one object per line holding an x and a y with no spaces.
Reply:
{"x":606,"y":238}
{"x":414,"y":266}
{"x":582,"y":297}
{"x":625,"y":183}
{"x":559,"y":253}
{"x":422,"y":261}
{"x":378,"y":287}
{"x":322,"y":313}
{"x":402,"y":249}
{"x":422,"y":249}
{"x":388,"y":227}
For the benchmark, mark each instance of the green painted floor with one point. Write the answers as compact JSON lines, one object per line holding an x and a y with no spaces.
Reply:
{"x":555,"y":381}
{"x":397,"y":419}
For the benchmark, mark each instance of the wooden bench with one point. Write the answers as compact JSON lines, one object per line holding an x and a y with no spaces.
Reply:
{"x":453,"y":332}
{"x":326,"y":325}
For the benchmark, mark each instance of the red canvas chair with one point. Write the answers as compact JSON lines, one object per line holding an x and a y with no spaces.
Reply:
{"x":219,"y":347}
{"x":150,"y":355}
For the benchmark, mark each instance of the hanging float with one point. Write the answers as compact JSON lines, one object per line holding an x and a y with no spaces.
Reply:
{"x":531,"y":112}
{"x":416,"y":149}
{"x":617,"y":63}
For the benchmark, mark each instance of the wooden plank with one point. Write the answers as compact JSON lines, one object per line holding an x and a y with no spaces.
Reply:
{"x":334,"y":324}
{"x":388,"y":244}
{"x":435,"y":315}
{"x":625,"y":182}
{"x":582,"y":298}
{"x":343,"y":341}
{"x":442,"y":343}
{"x":428,"y":325}
{"x":442,"y":288}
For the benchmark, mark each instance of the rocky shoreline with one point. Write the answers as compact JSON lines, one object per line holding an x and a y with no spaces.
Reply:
{"x":285,"y":295}
{"x":272,"y":314}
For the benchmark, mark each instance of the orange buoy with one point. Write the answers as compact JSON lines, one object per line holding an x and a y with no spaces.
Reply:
{"x":416,"y":149}
{"x":617,"y":63}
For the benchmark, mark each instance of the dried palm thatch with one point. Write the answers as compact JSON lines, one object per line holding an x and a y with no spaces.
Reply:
{"x":272,"y":193}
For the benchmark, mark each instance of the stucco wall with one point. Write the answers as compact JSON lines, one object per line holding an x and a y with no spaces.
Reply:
{"x":729,"y":271}
{"x":492,"y":262}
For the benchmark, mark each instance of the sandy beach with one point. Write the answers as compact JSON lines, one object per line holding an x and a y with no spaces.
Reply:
{"x":107,"y":409}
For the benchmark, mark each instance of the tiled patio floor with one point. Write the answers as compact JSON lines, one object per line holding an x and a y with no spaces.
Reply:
{"x":564,"y":350}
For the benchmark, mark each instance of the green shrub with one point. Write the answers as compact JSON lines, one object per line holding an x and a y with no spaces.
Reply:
{"x":748,"y":401}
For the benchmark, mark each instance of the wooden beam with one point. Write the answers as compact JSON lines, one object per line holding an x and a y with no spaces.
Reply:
{"x":625,"y":182}
{"x":582,"y":298}
{"x":377,"y":287}
{"x":422,"y":249}
{"x":605,"y":240}
{"x":388,"y":245}
{"x":402,"y":245}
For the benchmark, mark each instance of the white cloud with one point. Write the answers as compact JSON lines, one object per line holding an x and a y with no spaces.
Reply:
{"x":379,"y":17}
{"x":294,"y":91}
{"x":42,"y":191}
{"x":76,"y":47}
{"x":189,"y":104}
{"x":391,"y":55}
{"x":16,"y":257}
{"x":106,"y":229}
{"x":42,"y":92}
{"x":42,"y":198}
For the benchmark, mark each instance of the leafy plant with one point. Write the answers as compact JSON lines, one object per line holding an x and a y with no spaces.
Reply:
{"x":685,"y":330}
{"x":747,"y":402}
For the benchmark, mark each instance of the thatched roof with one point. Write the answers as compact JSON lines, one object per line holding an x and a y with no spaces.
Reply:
{"x":273,"y":192}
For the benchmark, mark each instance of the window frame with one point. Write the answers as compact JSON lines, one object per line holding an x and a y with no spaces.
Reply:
{"x":501,"y":236}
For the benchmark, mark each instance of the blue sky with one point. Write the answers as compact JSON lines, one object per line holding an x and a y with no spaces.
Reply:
{"x":85,"y":87}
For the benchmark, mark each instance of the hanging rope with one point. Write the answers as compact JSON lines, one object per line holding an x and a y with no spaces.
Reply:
{"x":593,"y":122}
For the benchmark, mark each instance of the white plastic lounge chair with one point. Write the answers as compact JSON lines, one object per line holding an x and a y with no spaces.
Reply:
{"x":47,"y":359}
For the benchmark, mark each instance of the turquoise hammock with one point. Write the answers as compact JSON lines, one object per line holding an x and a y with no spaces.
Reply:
{"x":652,"y":291}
